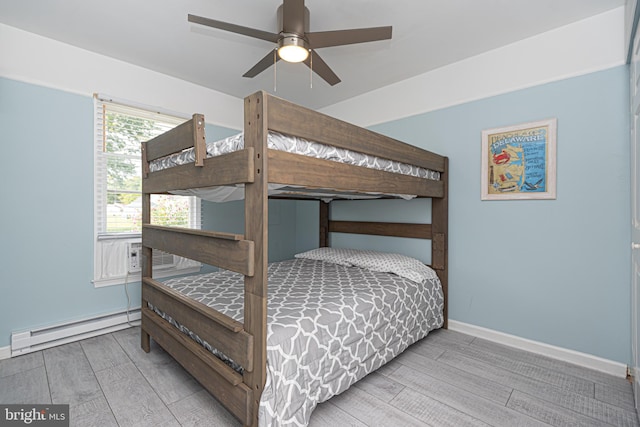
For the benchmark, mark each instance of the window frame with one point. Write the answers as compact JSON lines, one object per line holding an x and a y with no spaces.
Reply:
{"x":111,"y":259}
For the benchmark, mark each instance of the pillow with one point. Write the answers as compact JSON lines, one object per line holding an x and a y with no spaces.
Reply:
{"x":402,"y":265}
{"x":334,"y":255}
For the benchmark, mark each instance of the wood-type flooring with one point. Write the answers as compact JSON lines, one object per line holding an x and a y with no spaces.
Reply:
{"x":447,"y":379}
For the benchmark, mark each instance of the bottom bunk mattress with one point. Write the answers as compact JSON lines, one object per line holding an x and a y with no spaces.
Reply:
{"x":329,"y":324}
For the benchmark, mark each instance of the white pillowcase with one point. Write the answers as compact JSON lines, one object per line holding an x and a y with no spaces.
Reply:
{"x":402,"y":265}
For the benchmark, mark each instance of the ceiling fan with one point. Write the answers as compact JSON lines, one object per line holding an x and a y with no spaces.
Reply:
{"x":295,"y":43}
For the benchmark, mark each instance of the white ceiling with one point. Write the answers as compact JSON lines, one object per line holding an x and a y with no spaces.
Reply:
{"x":427,"y":34}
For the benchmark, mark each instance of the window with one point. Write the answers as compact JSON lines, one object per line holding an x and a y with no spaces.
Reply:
{"x":120,"y":128}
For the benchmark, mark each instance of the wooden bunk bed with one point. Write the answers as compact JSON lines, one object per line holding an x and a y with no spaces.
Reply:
{"x":255,"y":166}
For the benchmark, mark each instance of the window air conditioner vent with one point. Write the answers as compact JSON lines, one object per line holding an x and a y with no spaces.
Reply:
{"x":160,"y":259}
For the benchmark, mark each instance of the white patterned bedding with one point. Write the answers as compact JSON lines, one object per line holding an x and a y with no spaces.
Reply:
{"x":281,"y":142}
{"x":329,"y":325}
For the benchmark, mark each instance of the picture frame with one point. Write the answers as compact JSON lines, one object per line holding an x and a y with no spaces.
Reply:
{"x":519,"y":161}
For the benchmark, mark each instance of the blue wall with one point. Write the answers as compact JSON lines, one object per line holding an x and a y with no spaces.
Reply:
{"x":555,"y":271}
{"x":46,"y":218}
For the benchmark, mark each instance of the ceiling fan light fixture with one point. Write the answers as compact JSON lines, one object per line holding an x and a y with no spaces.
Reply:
{"x":292,"y":48}
{"x":294,"y":43}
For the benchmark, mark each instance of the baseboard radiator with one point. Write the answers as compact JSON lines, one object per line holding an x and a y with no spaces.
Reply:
{"x":40,"y":339}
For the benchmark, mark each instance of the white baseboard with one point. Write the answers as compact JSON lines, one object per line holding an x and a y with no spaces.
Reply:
{"x":582,"y":359}
{"x":5,"y":352}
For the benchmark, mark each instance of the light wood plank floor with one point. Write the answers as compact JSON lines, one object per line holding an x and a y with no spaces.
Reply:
{"x":447,"y":379}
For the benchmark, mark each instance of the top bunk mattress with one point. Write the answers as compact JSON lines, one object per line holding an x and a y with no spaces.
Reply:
{"x":295,"y":145}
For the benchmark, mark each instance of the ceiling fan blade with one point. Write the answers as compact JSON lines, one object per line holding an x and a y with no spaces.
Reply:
{"x":317,"y":64}
{"x":263,"y":64}
{"x":293,"y":17}
{"x":343,"y":37}
{"x":246,"y":31}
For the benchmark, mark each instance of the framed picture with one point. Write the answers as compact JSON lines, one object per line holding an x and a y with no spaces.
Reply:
{"x":519,"y":162}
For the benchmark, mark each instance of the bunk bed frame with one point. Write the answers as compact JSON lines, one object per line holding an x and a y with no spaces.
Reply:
{"x":255,"y":166}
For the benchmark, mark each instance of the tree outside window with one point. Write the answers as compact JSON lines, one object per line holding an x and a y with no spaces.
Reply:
{"x":123,"y":135}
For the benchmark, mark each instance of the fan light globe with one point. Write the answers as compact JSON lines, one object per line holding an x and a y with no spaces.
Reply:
{"x":292,"y":49}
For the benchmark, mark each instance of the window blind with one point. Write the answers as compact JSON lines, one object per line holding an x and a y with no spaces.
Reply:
{"x":119,"y":128}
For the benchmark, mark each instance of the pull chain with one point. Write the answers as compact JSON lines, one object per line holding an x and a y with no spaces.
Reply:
{"x":311,"y":69}
{"x":275,"y":70}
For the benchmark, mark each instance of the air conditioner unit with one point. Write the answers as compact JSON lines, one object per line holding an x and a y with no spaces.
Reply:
{"x":160,"y":260}
{"x":134,"y":253}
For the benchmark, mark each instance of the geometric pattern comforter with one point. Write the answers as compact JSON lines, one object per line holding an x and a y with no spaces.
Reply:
{"x":329,"y":325}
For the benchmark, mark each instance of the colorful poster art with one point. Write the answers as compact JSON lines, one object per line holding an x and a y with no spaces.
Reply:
{"x":518,"y":162}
